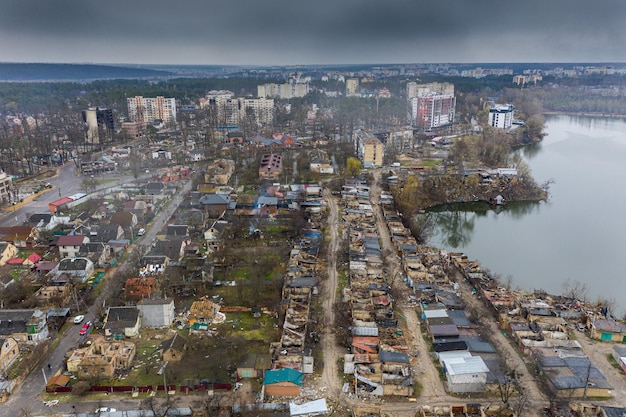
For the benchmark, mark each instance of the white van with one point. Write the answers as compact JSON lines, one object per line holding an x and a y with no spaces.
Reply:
{"x":141,"y":232}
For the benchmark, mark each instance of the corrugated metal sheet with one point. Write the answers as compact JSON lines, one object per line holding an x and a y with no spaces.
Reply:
{"x":365,"y":331}
{"x":465,"y":365}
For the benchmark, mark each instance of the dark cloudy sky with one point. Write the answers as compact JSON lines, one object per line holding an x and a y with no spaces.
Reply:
{"x":279,"y":32}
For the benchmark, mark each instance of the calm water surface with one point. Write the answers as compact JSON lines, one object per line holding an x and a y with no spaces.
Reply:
{"x":578,"y":234}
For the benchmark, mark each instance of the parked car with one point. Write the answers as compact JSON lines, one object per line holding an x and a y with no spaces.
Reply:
{"x":105,"y":410}
{"x":79,"y":319}
{"x":85,"y":329}
{"x":141,"y":232}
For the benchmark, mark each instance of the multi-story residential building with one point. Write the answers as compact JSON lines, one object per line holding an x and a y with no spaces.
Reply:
{"x":501,"y":116}
{"x":432,"y":110}
{"x":283,"y":91}
{"x":432,"y":105}
{"x":133,"y":129}
{"x":232,"y":111}
{"x":6,"y":188}
{"x":526,"y":79}
{"x":100,"y":124}
{"x":399,"y":139}
{"x":352,"y":86}
{"x":370,"y":150}
{"x":150,"y":109}
{"x":260,"y":109}
{"x":414,"y":89}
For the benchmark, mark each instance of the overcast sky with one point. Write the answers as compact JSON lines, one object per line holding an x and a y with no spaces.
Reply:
{"x":279,"y":32}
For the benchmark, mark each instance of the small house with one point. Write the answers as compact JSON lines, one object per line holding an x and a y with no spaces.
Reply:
{"x":122,"y":321}
{"x":106,"y":233}
{"x":69,"y":245}
{"x":25,"y":326}
{"x":81,"y":268}
{"x":284,"y":382}
{"x":608,"y":330}
{"x":125,"y":219}
{"x":9,"y":351}
{"x":215,"y":204}
{"x":20,"y":236}
{"x":155,"y":188}
{"x":172,"y":350}
{"x":465,"y":373}
{"x":97,"y":252}
{"x":7,"y":251}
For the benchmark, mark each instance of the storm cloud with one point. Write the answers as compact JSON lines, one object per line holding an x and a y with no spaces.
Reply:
{"x":280,"y":32}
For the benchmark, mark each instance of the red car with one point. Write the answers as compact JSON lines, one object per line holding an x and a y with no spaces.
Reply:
{"x":85,"y":329}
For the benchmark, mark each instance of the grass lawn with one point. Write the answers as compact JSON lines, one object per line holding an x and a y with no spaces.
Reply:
{"x":214,"y":358}
{"x":431,"y":162}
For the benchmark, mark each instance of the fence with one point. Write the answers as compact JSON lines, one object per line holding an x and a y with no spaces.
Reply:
{"x":129,"y":388}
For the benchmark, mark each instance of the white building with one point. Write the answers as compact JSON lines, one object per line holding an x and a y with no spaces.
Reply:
{"x":6,"y":187}
{"x":283,"y":91}
{"x":501,"y":116}
{"x":465,"y":373}
{"x":91,"y":120}
{"x":150,"y":109}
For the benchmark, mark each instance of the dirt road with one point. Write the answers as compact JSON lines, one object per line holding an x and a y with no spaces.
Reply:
{"x":330,"y":375}
{"x":426,"y":374}
{"x":529,"y":383}
{"x":598,"y":352}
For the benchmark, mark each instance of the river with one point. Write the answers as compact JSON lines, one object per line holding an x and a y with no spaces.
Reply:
{"x":578,"y":235}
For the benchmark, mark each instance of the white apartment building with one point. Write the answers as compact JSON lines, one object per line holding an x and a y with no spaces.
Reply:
{"x":150,"y":109}
{"x":501,"y":116}
{"x":283,"y":91}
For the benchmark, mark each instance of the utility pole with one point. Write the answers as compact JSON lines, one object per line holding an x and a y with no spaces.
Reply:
{"x":587,"y":381}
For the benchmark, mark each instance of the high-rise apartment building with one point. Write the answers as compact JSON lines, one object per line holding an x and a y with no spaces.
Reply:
{"x":432,"y":105}
{"x":433,"y":110}
{"x":283,"y":91}
{"x":150,"y":109}
{"x":414,"y":89}
{"x":232,"y":111}
{"x":100,"y":124}
{"x":501,"y":116}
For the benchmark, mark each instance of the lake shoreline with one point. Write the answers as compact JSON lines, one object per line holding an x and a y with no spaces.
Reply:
{"x":544,"y":245}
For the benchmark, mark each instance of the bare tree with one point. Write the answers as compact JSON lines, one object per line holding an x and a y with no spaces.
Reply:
{"x":507,"y":386}
{"x":159,"y":408}
{"x":575,"y":290}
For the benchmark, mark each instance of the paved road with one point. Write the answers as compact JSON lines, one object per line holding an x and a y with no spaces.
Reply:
{"x":28,"y":396}
{"x":67,"y":182}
